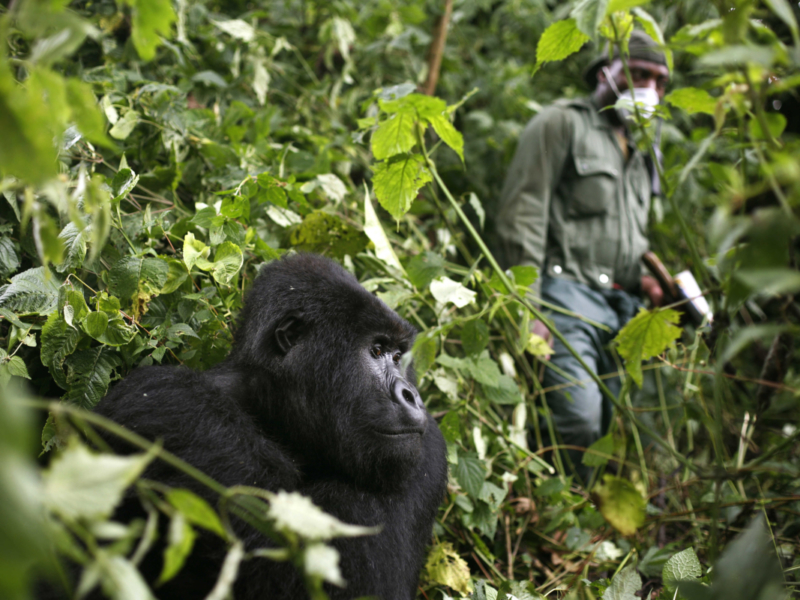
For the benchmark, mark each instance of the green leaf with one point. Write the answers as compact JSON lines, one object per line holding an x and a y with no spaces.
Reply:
{"x":296,"y":513}
{"x":446,"y":290}
{"x":470,"y":473}
{"x":395,"y":135}
{"x":123,"y":128}
{"x":624,"y":585}
{"x":424,"y":268}
{"x":559,"y":40}
{"x":683,"y":566}
{"x":196,"y":510}
{"x":80,"y":484}
{"x":138,"y":279}
{"x":621,"y":504}
{"x":89,"y":374}
{"x":32,"y":291}
{"x":59,"y":340}
{"x":228,"y":259}
{"x":181,"y":540}
{"x":604,"y":445}
{"x":124,"y":181}
{"x":505,"y":392}
{"x":150,"y":18}
{"x":776,"y":123}
{"x":9,"y":260}
{"x":588,"y":15}
{"x":474,"y":336}
{"x":74,"y":241}
{"x":784,"y":12}
{"x":16,"y":366}
{"x":424,"y":352}
{"x":96,"y":324}
{"x":770,"y":282}
{"x":647,"y":335}
{"x":86,"y":113}
{"x":484,"y":370}
{"x":692,"y":100}
{"x":618,"y":5}
{"x":178,"y":273}
{"x":374,"y":231}
{"x":396,"y":182}
{"x":445,"y":567}
{"x":449,"y":134}
{"x":194,"y":251}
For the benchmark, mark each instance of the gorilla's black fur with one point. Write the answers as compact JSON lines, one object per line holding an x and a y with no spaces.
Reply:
{"x":313,"y":398}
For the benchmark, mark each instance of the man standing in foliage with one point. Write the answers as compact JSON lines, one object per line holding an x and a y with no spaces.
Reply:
{"x":575,"y":205}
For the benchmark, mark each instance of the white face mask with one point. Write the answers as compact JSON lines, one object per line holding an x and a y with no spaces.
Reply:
{"x":646,"y":100}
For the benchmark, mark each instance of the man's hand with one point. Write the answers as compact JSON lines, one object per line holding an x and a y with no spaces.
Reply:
{"x":538,"y":328}
{"x":652,"y":290}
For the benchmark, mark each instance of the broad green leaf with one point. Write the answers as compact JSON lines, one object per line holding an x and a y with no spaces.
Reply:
{"x":89,"y":374}
{"x":374,"y":231}
{"x":484,"y":370}
{"x":647,"y":335}
{"x":776,"y":123}
{"x":683,"y":566}
{"x":424,"y":268}
{"x":124,"y":181}
{"x":505,"y":392}
{"x":470,"y":473}
{"x":538,"y":346}
{"x":32,"y":291}
{"x":181,"y":540}
{"x":621,"y":504}
{"x":424,"y":352}
{"x":445,"y":567}
{"x":474,"y":336}
{"x":492,"y":495}
{"x":74,"y":241}
{"x":196,"y":510}
{"x":605,"y":445}
{"x":770,"y":282}
{"x":294,"y":512}
{"x":96,"y":324}
{"x":123,"y":127}
{"x":588,"y":14}
{"x":397,"y":182}
{"x":137,"y":280}
{"x":228,"y":259}
{"x":81,"y":484}
{"x":525,"y":275}
{"x":559,"y":40}
{"x":617,"y":5}
{"x":177,"y":274}
{"x":45,"y":234}
{"x":86,"y":113}
{"x":9,"y":259}
{"x":395,"y":135}
{"x":194,"y":250}
{"x":98,"y":207}
{"x":181,"y":329}
{"x":59,"y":340}
{"x":16,"y":366}
{"x":322,"y":561}
{"x":624,"y":585}
{"x":692,"y":100}
{"x":150,"y":18}
{"x":446,"y":290}
{"x":449,"y":134}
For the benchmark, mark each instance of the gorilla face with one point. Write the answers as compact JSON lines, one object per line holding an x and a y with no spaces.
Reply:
{"x":335,"y":363}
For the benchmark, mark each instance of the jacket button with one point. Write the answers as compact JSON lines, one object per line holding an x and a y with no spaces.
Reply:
{"x":603,"y":278}
{"x":557,"y":269}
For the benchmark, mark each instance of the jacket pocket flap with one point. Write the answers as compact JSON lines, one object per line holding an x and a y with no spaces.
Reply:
{"x":594,"y":165}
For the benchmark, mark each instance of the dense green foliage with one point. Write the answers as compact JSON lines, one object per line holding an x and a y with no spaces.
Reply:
{"x":153,"y":155}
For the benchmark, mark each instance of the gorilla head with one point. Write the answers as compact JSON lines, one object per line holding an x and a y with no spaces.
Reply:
{"x":327,"y":356}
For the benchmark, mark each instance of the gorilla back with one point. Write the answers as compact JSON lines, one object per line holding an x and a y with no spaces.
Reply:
{"x":314,"y":398}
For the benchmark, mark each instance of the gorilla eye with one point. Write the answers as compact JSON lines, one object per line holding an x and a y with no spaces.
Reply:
{"x":396,"y":358}
{"x":377,"y":351}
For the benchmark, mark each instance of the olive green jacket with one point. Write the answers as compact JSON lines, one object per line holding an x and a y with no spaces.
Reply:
{"x":571,"y":205}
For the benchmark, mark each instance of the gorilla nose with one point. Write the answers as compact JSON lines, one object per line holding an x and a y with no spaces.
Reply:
{"x":405,"y":394}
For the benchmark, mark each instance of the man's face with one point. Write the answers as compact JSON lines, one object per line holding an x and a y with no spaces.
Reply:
{"x":643,"y":72}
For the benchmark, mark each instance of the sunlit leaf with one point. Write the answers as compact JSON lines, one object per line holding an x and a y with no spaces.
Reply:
{"x":150,"y":18}
{"x":374,"y":231}
{"x":559,"y":40}
{"x":621,"y":504}
{"x":647,"y":335}
{"x":397,"y":182}
{"x":445,"y":567}
{"x":445,"y":290}
{"x":181,"y":540}
{"x":196,"y":510}
{"x":295,"y":512}
{"x":588,"y":14}
{"x":395,"y":135}
{"x":692,"y":100}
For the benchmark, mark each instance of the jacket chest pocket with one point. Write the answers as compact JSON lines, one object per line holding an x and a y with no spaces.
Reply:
{"x":594,"y":189}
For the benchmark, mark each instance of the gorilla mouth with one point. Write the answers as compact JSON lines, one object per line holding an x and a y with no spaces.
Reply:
{"x":402,"y":432}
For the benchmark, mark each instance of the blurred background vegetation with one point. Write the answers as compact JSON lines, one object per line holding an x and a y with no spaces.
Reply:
{"x":154,"y":154}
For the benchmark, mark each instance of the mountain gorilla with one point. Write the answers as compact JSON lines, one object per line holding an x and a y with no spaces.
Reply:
{"x":313,"y":398}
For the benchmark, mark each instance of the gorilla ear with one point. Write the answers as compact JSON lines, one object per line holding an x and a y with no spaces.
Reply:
{"x":288,"y":332}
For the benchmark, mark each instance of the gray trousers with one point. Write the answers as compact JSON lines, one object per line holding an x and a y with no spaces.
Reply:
{"x":582,"y":413}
